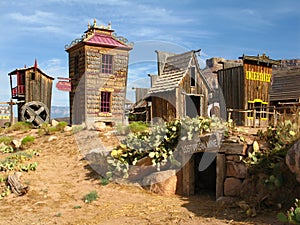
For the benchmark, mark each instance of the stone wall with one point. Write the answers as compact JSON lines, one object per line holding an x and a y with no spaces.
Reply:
{"x":235,"y":169}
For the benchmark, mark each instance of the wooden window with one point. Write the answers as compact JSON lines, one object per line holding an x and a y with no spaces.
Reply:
{"x":105,"y":101}
{"x":107,"y":64}
{"x":76,"y":65}
{"x":264,"y":109}
{"x":193,"y":76}
{"x":33,"y":76}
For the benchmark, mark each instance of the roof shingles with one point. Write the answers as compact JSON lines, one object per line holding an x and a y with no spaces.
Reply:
{"x":174,"y":70}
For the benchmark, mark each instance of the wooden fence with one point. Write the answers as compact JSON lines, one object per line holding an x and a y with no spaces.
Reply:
{"x":275,"y":115}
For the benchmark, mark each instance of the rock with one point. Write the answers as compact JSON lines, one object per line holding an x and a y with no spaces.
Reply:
{"x":232,"y":186}
{"x":99,"y":126}
{"x":255,"y":146}
{"x":16,"y":143}
{"x":98,"y":160}
{"x":162,"y":183}
{"x":292,"y":159}
{"x":68,"y":129}
{"x":234,"y":158}
{"x":227,"y":201}
{"x":234,"y":169}
{"x":54,"y":123}
{"x":52,"y":138}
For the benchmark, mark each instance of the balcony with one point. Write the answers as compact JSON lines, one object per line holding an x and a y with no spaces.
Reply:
{"x":18,"y":91}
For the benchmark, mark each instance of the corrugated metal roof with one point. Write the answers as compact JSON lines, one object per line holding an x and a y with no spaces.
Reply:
{"x":286,"y":85}
{"x":106,"y":40}
{"x":173,"y":71}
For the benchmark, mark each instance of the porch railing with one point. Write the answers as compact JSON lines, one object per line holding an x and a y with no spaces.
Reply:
{"x":18,"y":90}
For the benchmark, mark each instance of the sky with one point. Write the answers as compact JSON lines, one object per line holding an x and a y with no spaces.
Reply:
{"x":220,"y":28}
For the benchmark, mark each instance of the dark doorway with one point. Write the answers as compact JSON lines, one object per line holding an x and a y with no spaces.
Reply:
{"x":193,"y":106}
{"x":205,"y":177}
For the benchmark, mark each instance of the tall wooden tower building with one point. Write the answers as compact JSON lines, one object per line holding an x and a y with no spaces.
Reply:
{"x":98,"y":69}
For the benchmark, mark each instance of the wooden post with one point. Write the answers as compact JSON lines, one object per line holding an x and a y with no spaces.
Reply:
{"x":275,"y":116}
{"x":254,"y":117}
{"x":229,"y":115}
{"x":221,"y":174}
{"x":11,"y":112}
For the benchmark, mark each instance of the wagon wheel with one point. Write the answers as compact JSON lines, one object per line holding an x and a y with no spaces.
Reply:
{"x":36,"y":113}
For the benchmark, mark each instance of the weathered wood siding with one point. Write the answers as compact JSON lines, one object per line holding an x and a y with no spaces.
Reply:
{"x":231,"y":82}
{"x":39,"y":88}
{"x":164,"y":106}
{"x":259,"y":88}
{"x":200,"y":89}
{"x":77,"y":94}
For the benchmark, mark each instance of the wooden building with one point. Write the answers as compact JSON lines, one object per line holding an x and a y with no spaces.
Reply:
{"x":180,"y":89}
{"x":246,"y":89}
{"x":285,"y":90}
{"x":33,"y":87}
{"x":98,"y":68}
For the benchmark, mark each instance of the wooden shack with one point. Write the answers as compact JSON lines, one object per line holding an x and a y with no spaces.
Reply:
{"x":98,"y":68}
{"x":285,"y":90}
{"x":180,"y":89}
{"x":32,"y":85}
{"x":246,"y":89}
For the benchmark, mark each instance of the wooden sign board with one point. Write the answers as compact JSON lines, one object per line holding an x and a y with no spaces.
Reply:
{"x":4,"y":115}
{"x":64,"y":86}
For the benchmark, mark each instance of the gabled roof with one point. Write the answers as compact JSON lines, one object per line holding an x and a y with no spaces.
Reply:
{"x":14,"y":72}
{"x":286,"y":85}
{"x":174,"y":70}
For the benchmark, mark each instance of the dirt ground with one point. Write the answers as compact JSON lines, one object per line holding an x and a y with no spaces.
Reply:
{"x":63,"y":178}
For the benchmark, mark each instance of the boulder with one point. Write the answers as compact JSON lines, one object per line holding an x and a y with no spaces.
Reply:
{"x":98,"y":160}
{"x":99,"y":126}
{"x":162,"y":183}
{"x":16,"y":143}
{"x":54,"y":123}
{"x":232,"y":186}
{"x":234,"y":169}
{"x":52,"y":138}
{"x":293,"y":159}
{"x":68,"y":129}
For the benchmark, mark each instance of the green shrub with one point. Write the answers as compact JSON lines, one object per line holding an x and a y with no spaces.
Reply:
{"x":293,"y":214}
{"x":138,"y":127}
{"x":104,"y":181}
{"x":27,"y":140}
{"x":20,"y":126}
{"x":90,"y":197}
{"x":6,"y":140}
{"x":46,"y":129}
{"x":61,"y":125}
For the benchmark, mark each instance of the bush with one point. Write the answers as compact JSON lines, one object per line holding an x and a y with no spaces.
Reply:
{"x":61,"y":125}
{"x":19,"y":126}
{"x":138,"y":127}
{"x":90,"y":197}
{"x":27,"y":140}
{"x":293,"y":214}
{"x":6,"y":140}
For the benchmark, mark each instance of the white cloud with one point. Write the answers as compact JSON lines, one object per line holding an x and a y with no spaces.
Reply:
{"x":39,"y":17}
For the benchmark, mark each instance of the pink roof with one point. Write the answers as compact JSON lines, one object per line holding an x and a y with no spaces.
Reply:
{"x":106,"y":40}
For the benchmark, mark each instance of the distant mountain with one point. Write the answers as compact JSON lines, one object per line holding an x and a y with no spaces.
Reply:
{"x":60,"y":112}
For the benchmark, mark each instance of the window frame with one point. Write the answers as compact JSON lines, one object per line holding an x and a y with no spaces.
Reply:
{"x":105,"y":102}
{"x":107,"y":64}
{"x":193,"y":77}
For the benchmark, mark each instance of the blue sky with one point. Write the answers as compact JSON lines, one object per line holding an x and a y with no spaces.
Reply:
{"x":221,"y":28}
